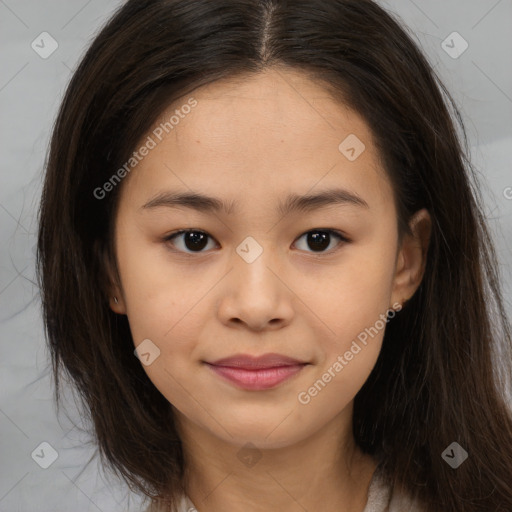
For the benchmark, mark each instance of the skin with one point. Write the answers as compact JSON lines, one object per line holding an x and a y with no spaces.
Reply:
{"x":254,"y":141}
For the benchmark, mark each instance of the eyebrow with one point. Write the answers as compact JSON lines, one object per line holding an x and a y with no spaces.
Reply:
{"x":292,"y":203}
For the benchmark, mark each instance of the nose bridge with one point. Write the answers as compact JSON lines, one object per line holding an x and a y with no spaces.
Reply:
{"x":254,"y":294}
{"x":252,"y":262}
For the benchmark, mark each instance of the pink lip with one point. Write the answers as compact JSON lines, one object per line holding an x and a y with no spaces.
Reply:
{"x":257,"y":373}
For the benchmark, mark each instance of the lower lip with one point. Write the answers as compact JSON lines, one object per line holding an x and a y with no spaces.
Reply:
{"x":257,"y":380}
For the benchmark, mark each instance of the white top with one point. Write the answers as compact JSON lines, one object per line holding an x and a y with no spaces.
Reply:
{"x":379,"y":499}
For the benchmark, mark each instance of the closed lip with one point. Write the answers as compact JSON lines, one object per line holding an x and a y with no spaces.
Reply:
{"x":248,"y":362}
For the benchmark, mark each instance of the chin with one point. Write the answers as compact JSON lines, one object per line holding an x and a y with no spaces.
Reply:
{"x":267,"y":433}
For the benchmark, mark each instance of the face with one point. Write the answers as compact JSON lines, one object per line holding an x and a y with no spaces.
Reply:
{"x":305,"y":282}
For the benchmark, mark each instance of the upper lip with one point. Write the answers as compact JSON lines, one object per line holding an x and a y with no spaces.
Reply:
{"x":248,"y":362}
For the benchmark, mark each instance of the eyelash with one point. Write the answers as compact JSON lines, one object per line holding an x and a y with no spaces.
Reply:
{"x":343,"y":239}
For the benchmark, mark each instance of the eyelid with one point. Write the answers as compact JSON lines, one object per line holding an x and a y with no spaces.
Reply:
{"x":343,"y":238}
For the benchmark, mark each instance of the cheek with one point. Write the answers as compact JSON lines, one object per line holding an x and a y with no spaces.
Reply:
{"x":355,"y":295}
{"x":336,"y":384}
{"x":356,"y":317}
{"x":164,"y":306}
{"x":353,"y":305}
{"x":157,"y":295}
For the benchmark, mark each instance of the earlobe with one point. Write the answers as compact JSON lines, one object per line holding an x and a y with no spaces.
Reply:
{"x":116,"y":301}
{"x":412,"y":257}
{"x":110,"y":285}
{"x":115,"y":294}
{"x":117,"y":305}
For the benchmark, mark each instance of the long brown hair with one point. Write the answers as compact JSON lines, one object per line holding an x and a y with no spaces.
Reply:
{"x":436,"y":380}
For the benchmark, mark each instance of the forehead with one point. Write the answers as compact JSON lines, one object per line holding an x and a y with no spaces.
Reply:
{"x":268,"y":108}
{"x":267,"y":131}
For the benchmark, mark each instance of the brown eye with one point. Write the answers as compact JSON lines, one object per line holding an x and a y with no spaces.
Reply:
{"x":191,"y":240}
{"x":319,"y":240}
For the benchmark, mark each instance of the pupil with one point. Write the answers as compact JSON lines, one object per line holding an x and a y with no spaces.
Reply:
{"x":196,"y":239}
{"x":318,"y":240}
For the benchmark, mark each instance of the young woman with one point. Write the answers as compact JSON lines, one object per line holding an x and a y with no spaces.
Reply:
{"x":265,"y":268}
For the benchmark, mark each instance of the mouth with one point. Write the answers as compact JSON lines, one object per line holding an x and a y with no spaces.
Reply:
{"x":257,"y":373}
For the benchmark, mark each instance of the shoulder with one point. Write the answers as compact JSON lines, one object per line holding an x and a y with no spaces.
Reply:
{"x":381,"y":499}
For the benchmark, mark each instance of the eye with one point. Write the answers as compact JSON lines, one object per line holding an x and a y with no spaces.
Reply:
{"x":320,"y":239}
{"x":194,"y":240}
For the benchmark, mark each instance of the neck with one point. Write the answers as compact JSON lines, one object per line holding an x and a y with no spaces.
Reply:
{"x":325,"y":468}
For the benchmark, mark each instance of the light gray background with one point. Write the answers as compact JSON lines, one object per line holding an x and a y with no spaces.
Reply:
{"x":30,"y":91}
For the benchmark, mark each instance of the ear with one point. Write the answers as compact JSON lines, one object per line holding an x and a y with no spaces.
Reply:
{"x":412,"y":257}
{"x":111,"y":285}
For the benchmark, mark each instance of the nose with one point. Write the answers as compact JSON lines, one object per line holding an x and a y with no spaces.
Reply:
{"x":255,"y":295}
